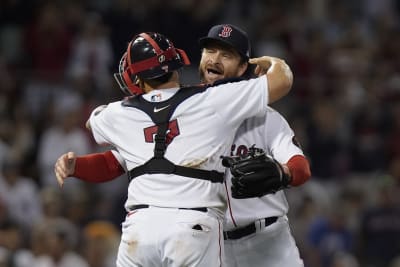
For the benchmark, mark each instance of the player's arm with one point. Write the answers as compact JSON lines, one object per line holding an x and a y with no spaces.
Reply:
{"x":298,"y":170}
{"x":257,"y":174}
{"x":96,"y":168}
{"x":283,"y":145}
{"x":279,"y":75}
{"x":95,"y":112}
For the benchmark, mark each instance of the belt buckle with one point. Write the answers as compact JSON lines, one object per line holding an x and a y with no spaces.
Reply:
{"x":265,"y":222}
{"x":259,"y":225}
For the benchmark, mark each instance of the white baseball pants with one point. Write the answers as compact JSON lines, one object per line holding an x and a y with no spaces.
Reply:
{"x":161,"y":237}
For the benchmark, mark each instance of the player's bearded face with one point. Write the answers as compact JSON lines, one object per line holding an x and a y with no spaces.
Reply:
{"x":219,"y":63}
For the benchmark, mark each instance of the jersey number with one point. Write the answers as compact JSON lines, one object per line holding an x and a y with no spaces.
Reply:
{"x":173,"y":130}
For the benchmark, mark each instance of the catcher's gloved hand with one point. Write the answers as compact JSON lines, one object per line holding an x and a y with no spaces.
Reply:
{"x":255,"y":174}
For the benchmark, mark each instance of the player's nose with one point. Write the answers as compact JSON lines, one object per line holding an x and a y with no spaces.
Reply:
{"x":214,"y":58}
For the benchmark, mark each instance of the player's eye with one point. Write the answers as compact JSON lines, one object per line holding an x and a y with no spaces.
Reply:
{"x":210,"y":50}
{"x":227,"y":55}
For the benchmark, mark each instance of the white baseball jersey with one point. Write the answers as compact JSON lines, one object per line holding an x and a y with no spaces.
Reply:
{"x":273,"y":245}
{"x":273,"y":134}
{"x":202,"y":129}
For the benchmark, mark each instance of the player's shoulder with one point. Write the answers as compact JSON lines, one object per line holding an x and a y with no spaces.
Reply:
{"x":114,"y":105}
{"x":235,"y":81}
{"x":106,"y":108}
{"x":270,"y":111}
{"x":227,"y":81}
{"x":272,"y":116}
{"x":273,"y":112}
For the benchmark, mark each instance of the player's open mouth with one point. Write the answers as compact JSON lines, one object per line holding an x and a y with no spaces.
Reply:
{"x":214,"y":71}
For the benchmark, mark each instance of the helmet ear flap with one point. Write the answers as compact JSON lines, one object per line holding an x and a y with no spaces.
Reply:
{"x":183,"y":55}
{"x":132,"y":84}
{"x":124,"y":79}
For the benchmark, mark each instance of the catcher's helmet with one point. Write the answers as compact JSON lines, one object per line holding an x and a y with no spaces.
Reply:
{"x":149,"y":55}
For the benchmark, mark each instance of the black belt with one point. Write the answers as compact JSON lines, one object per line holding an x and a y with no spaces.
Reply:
{"x":248,"y":229}
{"x":144,"y":206}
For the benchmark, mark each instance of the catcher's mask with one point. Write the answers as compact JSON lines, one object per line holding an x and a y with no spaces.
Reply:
{"x":148,"y":56}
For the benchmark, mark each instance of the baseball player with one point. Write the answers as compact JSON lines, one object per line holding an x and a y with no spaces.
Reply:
{"x":170,"y":140}
{"x":256,"y":229}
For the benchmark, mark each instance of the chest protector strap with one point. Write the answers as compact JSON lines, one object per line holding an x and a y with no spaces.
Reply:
{"x":160,"y":113}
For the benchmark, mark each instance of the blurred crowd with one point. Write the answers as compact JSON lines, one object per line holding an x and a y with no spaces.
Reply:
{"x":56,"y":64}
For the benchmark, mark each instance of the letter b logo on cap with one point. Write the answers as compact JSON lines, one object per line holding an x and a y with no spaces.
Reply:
{"x":226,"y":31}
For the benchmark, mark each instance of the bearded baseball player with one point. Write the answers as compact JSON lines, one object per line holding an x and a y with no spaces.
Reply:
{"x":266,"y":158}
{"x":170,"y":140}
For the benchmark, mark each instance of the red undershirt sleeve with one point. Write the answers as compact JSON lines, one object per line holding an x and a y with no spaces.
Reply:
{"x":299,"y":169}
{"x":98,"y":167}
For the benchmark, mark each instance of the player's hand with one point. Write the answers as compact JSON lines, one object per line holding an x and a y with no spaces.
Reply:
{"x":280,"y":76}
{"x":64,"y":167}
{"x":263,"y":64}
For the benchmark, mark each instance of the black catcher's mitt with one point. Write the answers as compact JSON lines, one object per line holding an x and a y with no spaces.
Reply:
{"x":255,"y":174}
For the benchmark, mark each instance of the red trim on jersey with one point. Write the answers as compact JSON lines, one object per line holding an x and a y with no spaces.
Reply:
{"x":221,"y":238}
{"x":229,"y":205}
{"x":97,"y":168}
{"x":300,"y":170}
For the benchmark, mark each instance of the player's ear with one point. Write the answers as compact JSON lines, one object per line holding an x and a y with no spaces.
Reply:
{"x":87,"y":124}
{"x":139,"y":82}
{"x":242,"y":68}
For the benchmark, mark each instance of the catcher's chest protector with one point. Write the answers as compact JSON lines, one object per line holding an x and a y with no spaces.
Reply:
{"x":158,"y":163}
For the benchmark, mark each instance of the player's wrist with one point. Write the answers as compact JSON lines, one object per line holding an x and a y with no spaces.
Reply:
{"x":287,"y":173}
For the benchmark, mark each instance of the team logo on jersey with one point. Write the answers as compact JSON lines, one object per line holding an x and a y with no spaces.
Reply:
{"x":226,"y":31}
{"x":156,"y":98}
{"x":296,"y":142}
{"x":243,"y":150}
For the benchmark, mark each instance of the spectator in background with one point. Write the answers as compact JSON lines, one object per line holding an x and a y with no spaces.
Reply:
{"x":193,"y":17}
{"x":60,"y":240}
{"x":329,"y":235}
{"x":52,"y":203}
{"x":100,"y":243}
{"x":380,"y":226}
{"x":326,"y":149}
{"x":47,"y":44}
{"x":80,"y":202}
{"x":65,"y":134}
{"x":20,"y":195}
{"x":10,"y":243}
{"x":92,"y":57}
